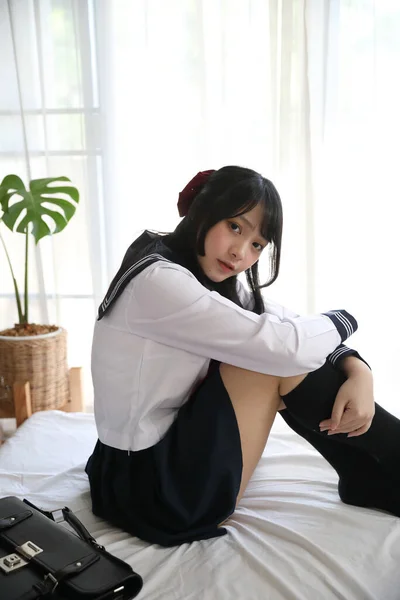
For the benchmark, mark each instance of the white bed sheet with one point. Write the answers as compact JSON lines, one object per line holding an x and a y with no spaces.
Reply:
{"x":291,"y":538}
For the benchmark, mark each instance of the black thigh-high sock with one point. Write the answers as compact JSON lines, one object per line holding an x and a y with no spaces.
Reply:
{"x":368,"y":465}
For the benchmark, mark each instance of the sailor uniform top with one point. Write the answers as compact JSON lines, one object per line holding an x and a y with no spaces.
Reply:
{"x":159,"y":328}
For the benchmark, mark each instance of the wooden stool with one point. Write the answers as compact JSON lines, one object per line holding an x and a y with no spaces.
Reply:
{"x":22,"y":397}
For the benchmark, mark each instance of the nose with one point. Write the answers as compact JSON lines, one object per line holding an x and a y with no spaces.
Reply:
{"x":237,"y":252}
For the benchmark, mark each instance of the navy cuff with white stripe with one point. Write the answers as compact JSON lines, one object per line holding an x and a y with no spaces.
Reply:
{"x":336,"y":357}
{"x":344,"y":322}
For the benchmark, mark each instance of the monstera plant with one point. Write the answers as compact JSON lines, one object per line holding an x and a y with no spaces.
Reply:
{"x":23,"y":211}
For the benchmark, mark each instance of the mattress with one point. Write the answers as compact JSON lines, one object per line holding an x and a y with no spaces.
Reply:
{"x":290,"y":539}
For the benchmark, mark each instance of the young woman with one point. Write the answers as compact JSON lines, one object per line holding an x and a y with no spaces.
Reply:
{"x":190,"y":368}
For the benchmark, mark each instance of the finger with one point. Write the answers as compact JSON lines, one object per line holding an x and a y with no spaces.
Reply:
{"x":347,"y":430}
{"x":347,"y":427}
{"x":347,"y":421}
{"x":337,"y":413}
{"x":360,"y":431}
{"x":325,"y":426}
{"x":325,"y":423}
{"x":353,"y":425}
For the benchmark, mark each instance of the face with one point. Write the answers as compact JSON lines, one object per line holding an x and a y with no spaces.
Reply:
{"x":233,"y":245}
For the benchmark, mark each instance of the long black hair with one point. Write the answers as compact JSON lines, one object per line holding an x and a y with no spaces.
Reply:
{"x":230,"y":192}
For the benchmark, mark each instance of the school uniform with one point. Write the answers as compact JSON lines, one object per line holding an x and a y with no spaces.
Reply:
{"x":167,"y":465}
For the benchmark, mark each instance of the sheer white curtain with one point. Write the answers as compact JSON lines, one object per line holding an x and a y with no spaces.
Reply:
{"x":131,"y":99}
{"x":197,"y":85}
{"x":50,"y":126}
{"x":355,"y":131}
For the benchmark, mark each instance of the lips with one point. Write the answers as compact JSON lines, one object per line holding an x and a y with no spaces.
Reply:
{"x":226,"y":266}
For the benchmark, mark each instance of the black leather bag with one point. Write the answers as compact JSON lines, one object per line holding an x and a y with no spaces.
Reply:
{"x":42,"y":559}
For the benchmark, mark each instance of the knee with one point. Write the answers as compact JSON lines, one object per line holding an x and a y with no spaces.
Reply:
{"x":250,"y":379}
{"x":243,"y":378}
{"x":288,"y":384}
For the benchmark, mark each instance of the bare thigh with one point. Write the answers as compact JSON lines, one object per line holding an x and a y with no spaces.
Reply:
{"x":255,"y":398}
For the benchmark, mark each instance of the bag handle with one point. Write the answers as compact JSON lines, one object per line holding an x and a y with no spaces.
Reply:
{"x":80,"y":529}
{"x":72,"y":520}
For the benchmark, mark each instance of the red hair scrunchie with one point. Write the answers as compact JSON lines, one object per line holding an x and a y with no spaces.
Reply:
{"x":189,"y":192}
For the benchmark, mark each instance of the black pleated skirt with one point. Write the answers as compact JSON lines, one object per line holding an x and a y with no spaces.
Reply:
{"x":183,"y":487}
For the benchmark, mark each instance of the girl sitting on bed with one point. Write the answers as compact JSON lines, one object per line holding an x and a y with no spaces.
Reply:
{"x":190,"y":368}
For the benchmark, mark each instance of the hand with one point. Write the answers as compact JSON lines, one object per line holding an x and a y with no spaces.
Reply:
{"x":354,"y":406}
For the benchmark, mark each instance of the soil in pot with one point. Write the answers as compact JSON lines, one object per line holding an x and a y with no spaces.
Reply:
{"x":28,"y":329}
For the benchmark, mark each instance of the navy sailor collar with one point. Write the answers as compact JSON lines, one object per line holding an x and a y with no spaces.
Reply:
{"x":145,"y":250}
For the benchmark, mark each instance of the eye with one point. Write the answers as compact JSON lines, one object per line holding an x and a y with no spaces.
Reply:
{"x":235,"y":227}
{"x":258,"y":246}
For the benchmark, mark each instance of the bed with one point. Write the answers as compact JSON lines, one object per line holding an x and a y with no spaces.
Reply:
{"x":291,"y":538}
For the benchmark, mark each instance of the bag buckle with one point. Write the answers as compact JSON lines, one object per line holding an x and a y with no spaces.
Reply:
{"x":57,"y":515}
{"x":49,"y":577}
{"x":29,"y":550}
{"x":12,"y":562}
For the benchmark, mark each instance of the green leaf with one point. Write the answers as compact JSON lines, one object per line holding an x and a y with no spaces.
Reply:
{"x":4,"y":199}
{"x":10,"y":182}
{"x":40,"y":183}
{"x":35,"y":204}
{"x":59,"y":219}
{"x":13,"y":182}
{"x":40,"y":229}
{"x":10,"y":217}
{"x":71,"y":191}
{"x":69,"y":209}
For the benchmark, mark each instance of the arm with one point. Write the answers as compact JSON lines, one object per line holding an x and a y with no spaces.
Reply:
{"x":338,"y":358}
{"x":354,"y":406}
{"x":355,"y":365}
{"x":168,"y":305}
{"x":347,"y":360}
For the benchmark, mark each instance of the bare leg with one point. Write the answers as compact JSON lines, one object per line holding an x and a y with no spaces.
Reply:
{"x":287,"y":384}
{"x":255,"y":398}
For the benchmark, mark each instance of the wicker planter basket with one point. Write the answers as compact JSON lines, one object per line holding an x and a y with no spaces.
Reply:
{"x":40,"y":360}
